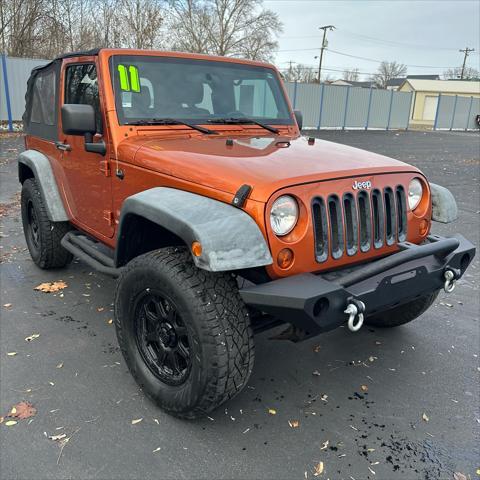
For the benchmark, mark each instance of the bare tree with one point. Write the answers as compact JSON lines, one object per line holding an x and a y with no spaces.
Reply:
{"x":455,"y":73}
{"x":142,"y":20}
{"x":387,"y":71}
{"x":352,"y":75}
{"x":225,"y":27}
{"x":300,"y":73}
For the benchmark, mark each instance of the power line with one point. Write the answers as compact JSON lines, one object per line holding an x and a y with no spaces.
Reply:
{"x":359,"y":57}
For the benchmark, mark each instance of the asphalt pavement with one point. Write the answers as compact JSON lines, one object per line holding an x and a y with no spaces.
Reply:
{"x":377,"y":404}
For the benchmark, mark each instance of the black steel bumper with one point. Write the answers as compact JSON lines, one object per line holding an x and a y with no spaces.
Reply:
{"x":316,"y":303}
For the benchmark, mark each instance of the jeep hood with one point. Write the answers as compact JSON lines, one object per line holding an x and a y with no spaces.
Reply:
{"x":267,"y":163}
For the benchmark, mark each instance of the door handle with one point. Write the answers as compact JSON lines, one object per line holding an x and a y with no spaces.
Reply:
{"x":63,"y":146}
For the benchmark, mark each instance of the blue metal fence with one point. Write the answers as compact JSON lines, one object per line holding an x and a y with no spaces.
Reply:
{"x":456,"y":112}
{"x":346,"y":107}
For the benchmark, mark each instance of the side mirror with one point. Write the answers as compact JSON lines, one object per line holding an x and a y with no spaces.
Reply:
{"x":80,"y":120}
{"x":299,"y":118}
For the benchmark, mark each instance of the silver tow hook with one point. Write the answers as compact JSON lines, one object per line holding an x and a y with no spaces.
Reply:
{"x":450,"y":281}
{"x":354,"y":311}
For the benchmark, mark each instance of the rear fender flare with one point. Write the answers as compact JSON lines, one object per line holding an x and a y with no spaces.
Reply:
{"x":40,"y":166}
{"x":230,"y":238}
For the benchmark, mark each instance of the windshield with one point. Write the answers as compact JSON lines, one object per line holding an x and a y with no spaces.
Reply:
{"x":195,"y":91}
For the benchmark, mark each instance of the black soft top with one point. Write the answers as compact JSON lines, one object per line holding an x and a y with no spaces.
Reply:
{"x":82,"y":53}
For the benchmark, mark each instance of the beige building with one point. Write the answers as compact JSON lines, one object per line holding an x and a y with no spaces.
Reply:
{"x":426,"y":92}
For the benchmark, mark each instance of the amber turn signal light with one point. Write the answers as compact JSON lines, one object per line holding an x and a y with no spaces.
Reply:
{"x":423,"y":228}
{"x":196,"y":249}
{"x":285,"y":258}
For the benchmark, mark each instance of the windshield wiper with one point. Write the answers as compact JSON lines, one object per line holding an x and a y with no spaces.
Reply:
{"x":170,"y":121}
{"x":245,"y":120}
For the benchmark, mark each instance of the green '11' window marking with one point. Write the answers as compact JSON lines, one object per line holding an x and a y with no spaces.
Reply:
{"x":124,"y":83}
{"x":129,"y":79}
{"x":134,"y":79}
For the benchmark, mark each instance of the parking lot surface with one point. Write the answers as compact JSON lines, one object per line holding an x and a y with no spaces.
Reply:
{"x":378,"y":404}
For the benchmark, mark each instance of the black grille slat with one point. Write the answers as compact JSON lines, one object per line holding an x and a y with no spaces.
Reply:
{"x":351,"y":224}
{"x":336,"y":226}
{"x":401,"y":214}
{"x":378,"y":219}
{"x":320,"y":229}
{"x":365,"y":221}
{"x":390,"y":216}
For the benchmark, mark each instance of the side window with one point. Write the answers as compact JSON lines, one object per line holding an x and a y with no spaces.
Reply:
{"x":81,"y":87}
{"x":43,"y":99}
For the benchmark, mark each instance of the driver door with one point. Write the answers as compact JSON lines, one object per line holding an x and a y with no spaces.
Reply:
{"x":87,"y":176}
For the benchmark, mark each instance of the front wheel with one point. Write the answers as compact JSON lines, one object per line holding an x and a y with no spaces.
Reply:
{"x":184,"y":333}
{"x":402,"y":313}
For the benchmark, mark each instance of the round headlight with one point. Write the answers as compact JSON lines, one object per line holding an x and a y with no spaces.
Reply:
{"x":284,"y":215}
{"x":415,"y":193}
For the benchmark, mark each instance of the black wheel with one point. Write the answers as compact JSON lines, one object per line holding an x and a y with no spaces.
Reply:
{"x":42,"y":235}
{"x":184,"y":332}
{"x":403,"y":313}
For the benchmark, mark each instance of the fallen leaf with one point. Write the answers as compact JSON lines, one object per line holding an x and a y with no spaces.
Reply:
{"x":100,"y":309}
{"x":1,"y":419}
{"x":316,"y":373}
{"x":10,"y":423}
{"x":478,"y":471}
{"x":272,"y":411}
{"x":294,"y":423}
{"x":32,"y":337}
{"x":7,"y":305}
{"x":324,"y":445}
{"x":157,"y":449}
{"x":11,"y":354}
{"x":22,"y":410}
{"x":56,"y":438}
{"x":364,"y":388}
{"x":373,"y":471}
{"x":50,"y":287}
{"x":318,"y":469}
{"x":138,"y":420}
{"x":425,"y":417}
{"x":110,"y":321}
{"x":60,"y":365}
{"x":156,"y":421}
{"x":51,"y":383}
{"x":324,"y":397}
{"x":316,"y":348}
{"x":459,"y":476}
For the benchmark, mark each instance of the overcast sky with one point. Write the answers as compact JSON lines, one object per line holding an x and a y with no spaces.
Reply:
{"x":423,"y":33}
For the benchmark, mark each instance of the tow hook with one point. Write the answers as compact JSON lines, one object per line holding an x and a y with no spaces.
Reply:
{"x":450,"y":275}
{"x":355,"y":310}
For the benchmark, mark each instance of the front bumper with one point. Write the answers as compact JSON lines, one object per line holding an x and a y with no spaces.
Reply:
{"x":316,"y":303}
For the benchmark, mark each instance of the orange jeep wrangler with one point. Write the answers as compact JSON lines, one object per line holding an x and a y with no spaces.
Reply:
{"x":186,"y":176}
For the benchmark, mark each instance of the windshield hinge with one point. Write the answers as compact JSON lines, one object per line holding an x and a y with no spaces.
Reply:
{"x":105,"y":167}
{"x":241,"y":196}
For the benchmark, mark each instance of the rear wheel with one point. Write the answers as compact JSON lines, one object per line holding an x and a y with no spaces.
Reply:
{"x":184,"y":333}
{"x":403,"y":313}
{"x":41,"y":234}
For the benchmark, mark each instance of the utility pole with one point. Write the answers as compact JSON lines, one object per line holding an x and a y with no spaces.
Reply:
{"x":467,"y":52}
{"x":324,"y":45}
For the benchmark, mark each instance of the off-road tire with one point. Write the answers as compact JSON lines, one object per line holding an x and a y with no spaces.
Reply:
{"x":47,"y":252}
{"x":403,"y":313}
{"x":219,"y":333}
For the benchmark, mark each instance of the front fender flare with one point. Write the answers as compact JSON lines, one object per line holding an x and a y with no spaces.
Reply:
{"x":230,"y":238}
{"x":444,"y":206}
{"x":40,"y":166}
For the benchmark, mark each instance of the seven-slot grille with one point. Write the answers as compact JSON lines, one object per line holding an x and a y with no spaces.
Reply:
{"x":358,"y":222}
